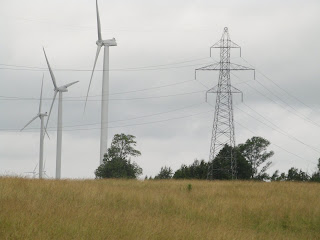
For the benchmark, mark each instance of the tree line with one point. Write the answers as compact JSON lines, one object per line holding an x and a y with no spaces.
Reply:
{"x":252,"y":157}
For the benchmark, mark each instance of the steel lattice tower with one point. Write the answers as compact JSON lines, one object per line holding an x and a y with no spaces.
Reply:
{"x":223,"y":132}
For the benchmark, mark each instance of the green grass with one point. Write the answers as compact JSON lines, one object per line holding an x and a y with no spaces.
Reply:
{"x":128,"y":209}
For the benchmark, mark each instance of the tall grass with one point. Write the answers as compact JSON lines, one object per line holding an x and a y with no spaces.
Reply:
{"x":128,"y":209}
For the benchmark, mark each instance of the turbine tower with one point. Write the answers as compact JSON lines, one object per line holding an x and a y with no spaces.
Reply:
{"x":42,"y":131}
{"x":223,"y":132}
{"x":105,"y":85}
{"x":57,"y":90}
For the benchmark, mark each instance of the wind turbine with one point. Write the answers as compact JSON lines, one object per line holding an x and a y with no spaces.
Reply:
{"x":57,"y":90}
{"x":44,"y":169}
{"x":42,"y":130}
{"x":105,"y":85}
{"x":34,"y":173}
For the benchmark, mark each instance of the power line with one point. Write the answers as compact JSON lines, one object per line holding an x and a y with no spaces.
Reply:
{"x":116,"y":93}
{"x":120,"y":120}
{"x":280,"y":131}
{"x":272,"y":143}
{"x":129,"y":125}
{"x":87,"y":28}
{"x":294,"y":109}
{"x":292,"y":112}
{"x":277,"y":85}
{"x":146,"y":89}
{"x":275,"y":130}
{"x":128,"y":119}
{"x":95,"y":100}
{"x":289,"y":135}
{"x":142,"y":68}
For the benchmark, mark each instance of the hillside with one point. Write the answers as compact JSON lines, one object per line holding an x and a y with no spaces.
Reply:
{"x":120,"y":209}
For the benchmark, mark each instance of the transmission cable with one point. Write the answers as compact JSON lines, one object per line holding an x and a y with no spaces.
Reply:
{"x":119,"y":120}
{"x":129,"y":125}
{"x":116,"y":93}
{"x":281,"y":131}
{"x":288,"y":110}
{"x":98,"y":100}
{"x":284,"y":90}
{"x":142,"y":68}
{"x":296,"y":155}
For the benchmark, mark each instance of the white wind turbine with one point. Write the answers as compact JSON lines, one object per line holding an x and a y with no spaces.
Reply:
{"x":57,"y":90}
{"x":42,"y":130}
{"x":34,"y":173}
{"x":105,"y":85}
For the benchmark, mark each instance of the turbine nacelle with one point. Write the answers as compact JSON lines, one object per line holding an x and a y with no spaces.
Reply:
{"x":109,"y":42}
{"x":61,"y":89}
{"x":43,"y":114}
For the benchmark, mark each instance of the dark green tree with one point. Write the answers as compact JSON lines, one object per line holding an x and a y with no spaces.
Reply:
{"x":222,"y":164}
{"x":295,"y":175}
{"x":182,"y":173}
{"x":276,"y":177}
{"x":165,"y":173}
{"x":117,"y":161}
{"x":316,"y":175}
{"x":255,"y":152}
{"x":197,"y":170}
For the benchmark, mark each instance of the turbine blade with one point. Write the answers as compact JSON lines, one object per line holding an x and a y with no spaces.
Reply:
{"x":69,"y":84}
{"x":50,"y":70}
{"x":30,"y":122}
{"x":54,"y":98}
{"x":41,"y":96}
{"x":98,"y":22}
{"x":94,"y":66}
{"x":47,"y":133}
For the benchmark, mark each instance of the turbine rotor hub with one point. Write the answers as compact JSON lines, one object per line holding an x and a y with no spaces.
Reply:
{"x":108,"y":43}
{"x":62,"y":89}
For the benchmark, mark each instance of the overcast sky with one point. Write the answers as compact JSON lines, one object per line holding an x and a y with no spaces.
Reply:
{"x":160,"y":43}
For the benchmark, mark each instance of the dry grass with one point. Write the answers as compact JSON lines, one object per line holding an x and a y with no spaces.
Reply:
{"x":120,"y":209}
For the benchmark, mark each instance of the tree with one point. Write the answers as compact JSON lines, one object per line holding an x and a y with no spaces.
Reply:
{"x":165,"y":173}
{"x":122,"y":146}
{"x":117,"y":161}
{"x":197,"y":170}
{"x":276,"y":177}
{"x":182,"y":173}
{"x":254,"y":150}
{"x":316,"y":175}
{"x":295,"y":175}
{"x":222,"y":164}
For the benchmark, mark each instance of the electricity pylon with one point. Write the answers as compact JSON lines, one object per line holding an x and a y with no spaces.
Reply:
{"x":223,"y":133}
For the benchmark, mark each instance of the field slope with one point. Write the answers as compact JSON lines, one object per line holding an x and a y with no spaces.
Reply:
{"x":120,"y":209}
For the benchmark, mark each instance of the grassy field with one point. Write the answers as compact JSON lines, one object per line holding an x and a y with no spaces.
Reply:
{"x":120,"y":209}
